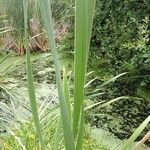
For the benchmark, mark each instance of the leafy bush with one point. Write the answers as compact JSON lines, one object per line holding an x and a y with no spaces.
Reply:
{"x":121,"y":39}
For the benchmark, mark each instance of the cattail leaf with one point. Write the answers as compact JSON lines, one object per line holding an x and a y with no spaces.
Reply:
{"x":31,"y":88}
{"x":48,"y":23}
{"x":84,"y":12}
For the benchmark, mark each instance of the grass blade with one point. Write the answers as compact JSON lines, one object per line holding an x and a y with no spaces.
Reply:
{"x":30,"y":79}
{"x":128,"y":144}
{"x":57,"y":134}
{"x":84,"y":10}
{"x":17,"y":139}
{"x":3,"y":59}
{"x":48,"y":23}
{"x":113,"y":79}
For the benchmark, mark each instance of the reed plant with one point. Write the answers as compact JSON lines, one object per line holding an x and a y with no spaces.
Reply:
{"x":71,"y":118}
{"x":72,"y":126}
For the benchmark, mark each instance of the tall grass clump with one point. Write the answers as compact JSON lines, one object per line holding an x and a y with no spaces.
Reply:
{"x":72,"y":126}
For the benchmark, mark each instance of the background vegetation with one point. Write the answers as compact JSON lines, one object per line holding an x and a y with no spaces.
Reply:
{"x":120,"y":43}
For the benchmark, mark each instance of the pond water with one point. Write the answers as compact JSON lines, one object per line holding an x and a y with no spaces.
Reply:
{"x":14,"y":93}
{"x":13,"y":60}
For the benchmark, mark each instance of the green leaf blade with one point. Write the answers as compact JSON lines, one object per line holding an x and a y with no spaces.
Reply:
{"x":84,"y":13}
{"x":47,"y":18}
{"x":30,"y":81}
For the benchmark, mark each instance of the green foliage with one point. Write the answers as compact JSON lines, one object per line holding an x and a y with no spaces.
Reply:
{"x":14,"y":12}
{"x":120,"y":43}
{"x":13,"y":9}
{"x":120,"y":40}
{"x":128,"y":144}
{"x":24,"y":137}
{"x":62,"y":10}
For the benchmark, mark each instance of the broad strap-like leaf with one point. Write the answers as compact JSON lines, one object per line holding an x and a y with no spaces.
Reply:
{"x":84,"y":12}
{"x":48,"y":23}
